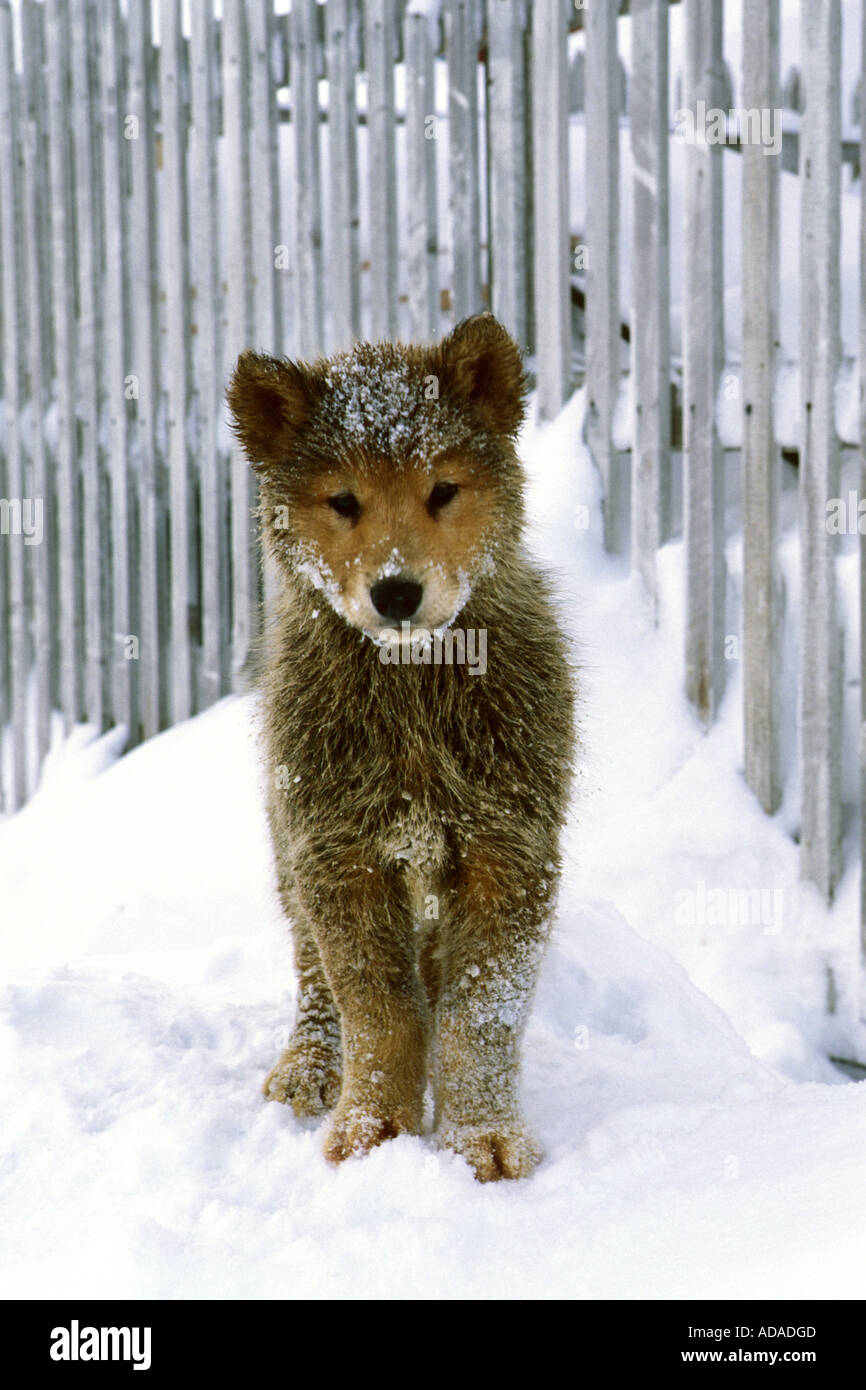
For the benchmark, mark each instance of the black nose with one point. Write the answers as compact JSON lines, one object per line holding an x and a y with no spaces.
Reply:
{"x":396,"y":598}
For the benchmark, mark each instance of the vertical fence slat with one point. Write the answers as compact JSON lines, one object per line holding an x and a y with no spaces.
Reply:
{"x":207,"y":356}
{"x":762,"y":461}
{"x":308,"y":184}
{"x":381,"y":156}
{"x":648,"y":112}
{"x":175,"y":271}
{"x":343,"y":282}
{"x":422,"y":255}
{"x":115,"y":176}
{"x":550,"y":202}
{"x":67,"y":536}
{"x":463,"y":159}
{"x":40,"y":594}
{"x":602,"y":241}
{"x":148,"y":464}
{"x":13,"y":343}
{"x":703,"y":361}
{"x":820,"y":648}
{"x":862,"y":538}
{"x":264,"y":211}
{"x":84,"y":30}
{"x":263,"y":156}
{"x":246,"y":596}
{"x":506,"y":159}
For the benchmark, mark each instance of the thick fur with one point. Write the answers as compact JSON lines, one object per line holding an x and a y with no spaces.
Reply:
{"x":415,"y":808}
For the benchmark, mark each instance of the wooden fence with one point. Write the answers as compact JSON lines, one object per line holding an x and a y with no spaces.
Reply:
{"x":167,"y":198}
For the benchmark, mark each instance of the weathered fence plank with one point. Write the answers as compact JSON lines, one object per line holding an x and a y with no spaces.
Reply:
{"x":308,"y":184}
{"x":382,"y":164}
{"x":267,"y":320}
{"x":650,"y":343}
{"x":506,"y":157}
{"x":143,"y":291}
{"x":603,"y":346}
{"x":40,"y":598}
{"x":550,"y":203}
{"x":176,"y":336}
{"x":422,"y":241}
{"x":463,"y":156}
{"x":820,"y":639}
{"x":761,"y":461}
{"x":68,"y":532}
{"x":11,"y":536}
{"x":703,"y":362}
{"x":246,"y":595}
{"x":264,"y":179}
{"x":862,"y":538}
{"x":84,"y":50}
{"x":124,"y":615}
{"x":344,"y":301}
{"x":208,"y":358}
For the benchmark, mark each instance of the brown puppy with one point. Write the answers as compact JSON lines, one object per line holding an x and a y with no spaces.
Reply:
{"x":416,"y":797}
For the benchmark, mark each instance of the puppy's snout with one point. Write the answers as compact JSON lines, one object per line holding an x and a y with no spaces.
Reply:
{"x":396,"y":598}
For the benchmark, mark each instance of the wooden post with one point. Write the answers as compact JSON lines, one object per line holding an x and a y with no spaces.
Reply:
{"x":820,"y":637}
{"x":703,"y":362}
{"x":116,"y":363}
{"x":177,"y":336}
{"x":650,"y":344}
{"x":11,"y":235}
{"x":245,"y":570}
{"x":70,"y":636}
{"x":267,"y":319}
{"x":84,"y":48}
{"x":143,"y":291}
{"x":208,"y":357}
{"x":379,"y":45}
{"x":506,"y":164}
{"x":463,"y":163}
{"x":761,"y":462}
{"x":550,"y":202}
{"x":344,"y":295}
{"x":39,"y":487}
{"x":422,"y":238}
{"x":862,"y":538}
{"x":308,"y":202}
{"x":603,"y":344}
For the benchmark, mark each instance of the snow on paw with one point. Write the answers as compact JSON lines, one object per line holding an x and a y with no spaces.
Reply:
{"x":354,"y":1131}
{"x":306,"y":1078}
{"x":494,"y":1152}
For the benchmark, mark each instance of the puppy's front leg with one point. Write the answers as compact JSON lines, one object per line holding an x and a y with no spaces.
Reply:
{"x":363,"y":928}
{"x":494,"y":936}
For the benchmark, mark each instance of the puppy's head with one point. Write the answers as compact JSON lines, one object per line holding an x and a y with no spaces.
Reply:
{"x":389,"y":479}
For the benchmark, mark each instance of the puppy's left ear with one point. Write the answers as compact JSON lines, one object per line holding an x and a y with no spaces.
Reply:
{"x":480,"y":366}
{"x":271,"y":401}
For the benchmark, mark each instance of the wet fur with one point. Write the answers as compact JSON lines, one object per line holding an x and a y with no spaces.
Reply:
{"x":397,"y":791}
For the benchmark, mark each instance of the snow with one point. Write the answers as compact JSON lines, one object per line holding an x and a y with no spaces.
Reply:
{"x":698,"y":1140}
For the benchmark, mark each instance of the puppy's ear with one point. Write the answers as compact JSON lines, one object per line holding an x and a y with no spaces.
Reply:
{"x":271,"y":400}
{"x":480,"y":366}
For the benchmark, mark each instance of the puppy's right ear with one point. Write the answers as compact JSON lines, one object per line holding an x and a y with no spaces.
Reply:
{"x":271,"y":400}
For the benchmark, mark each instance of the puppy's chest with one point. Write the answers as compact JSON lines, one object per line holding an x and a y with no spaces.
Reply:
{"x":414,"y":836}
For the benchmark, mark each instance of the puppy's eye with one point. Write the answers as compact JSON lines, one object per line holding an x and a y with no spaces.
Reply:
{"x":346,"y":504}
{"x":441,"y":496}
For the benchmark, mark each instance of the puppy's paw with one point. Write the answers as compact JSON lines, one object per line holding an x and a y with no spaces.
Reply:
{"x":308,"y":1078}
{"x":507,"y":1150}
{"x":355,"y":1130}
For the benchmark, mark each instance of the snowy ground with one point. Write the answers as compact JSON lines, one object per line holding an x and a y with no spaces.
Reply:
{"x":698,"y":1141}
